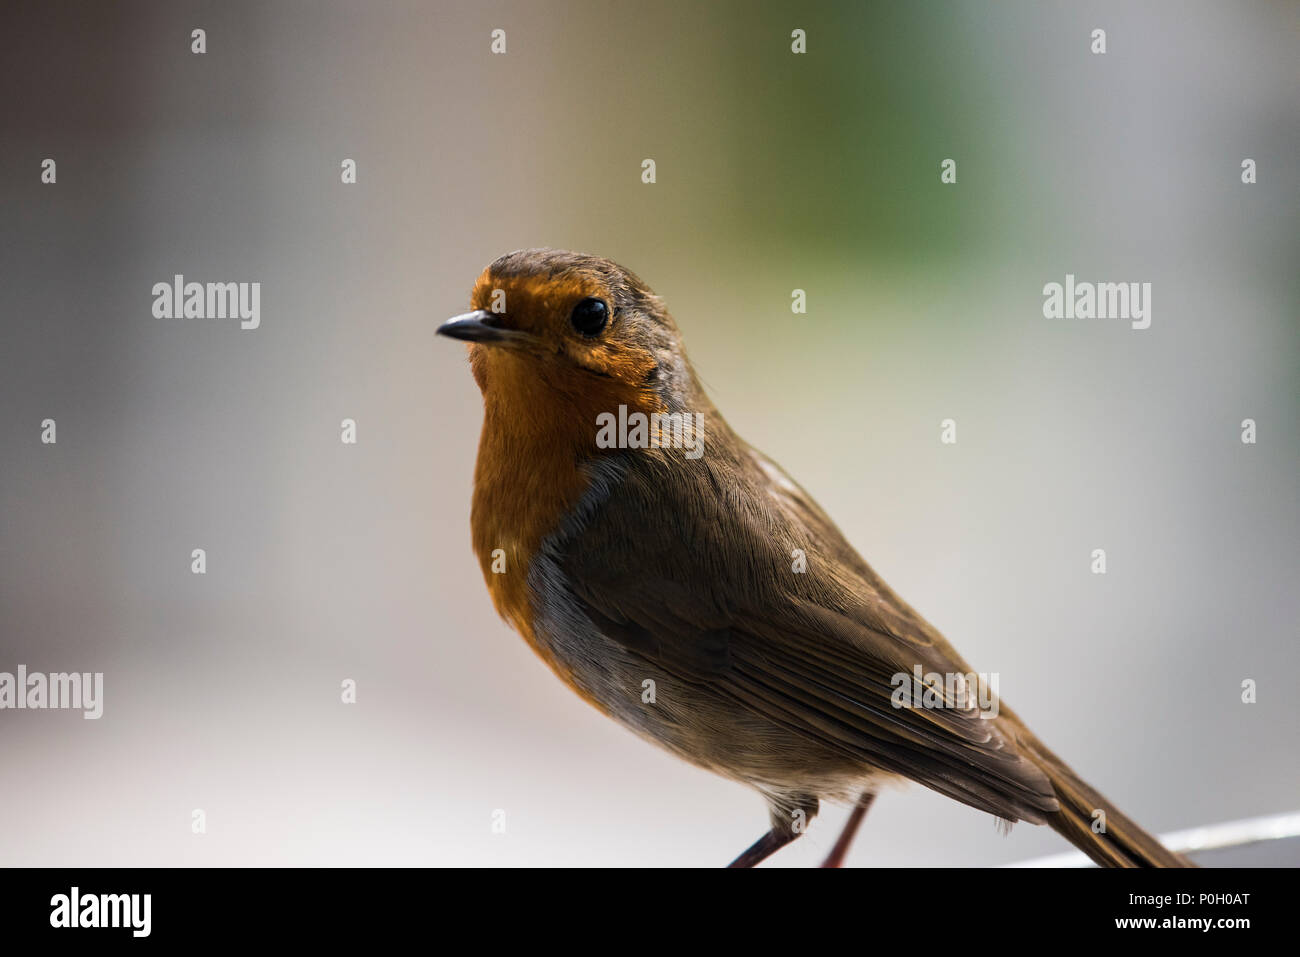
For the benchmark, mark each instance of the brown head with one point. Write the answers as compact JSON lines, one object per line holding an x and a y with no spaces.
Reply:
{"x":562,"y":327}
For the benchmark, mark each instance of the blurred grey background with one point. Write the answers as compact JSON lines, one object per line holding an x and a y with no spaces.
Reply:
{"x":775,"y":171}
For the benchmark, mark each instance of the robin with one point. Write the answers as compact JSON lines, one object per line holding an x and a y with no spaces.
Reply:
{"x":644,"y":551}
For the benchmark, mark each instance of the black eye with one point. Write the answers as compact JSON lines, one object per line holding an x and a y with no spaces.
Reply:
{"x":590,"y":316}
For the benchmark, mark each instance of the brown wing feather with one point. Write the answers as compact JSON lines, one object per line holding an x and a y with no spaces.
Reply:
{"x":812,"y":652}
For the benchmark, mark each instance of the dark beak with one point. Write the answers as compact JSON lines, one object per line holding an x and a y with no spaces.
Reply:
{"x":476,"y":326}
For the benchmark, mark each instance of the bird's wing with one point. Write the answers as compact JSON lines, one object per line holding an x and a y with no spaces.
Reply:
{"x":689,"y":565}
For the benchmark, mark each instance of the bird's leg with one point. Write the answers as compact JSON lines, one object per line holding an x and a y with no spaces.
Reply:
{"x":763,"y":848}
{"x":789,"y":814}
{"x":841,"y":849}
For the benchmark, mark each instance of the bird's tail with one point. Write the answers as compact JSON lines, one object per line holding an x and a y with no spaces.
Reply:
{"x":1091,"y":823}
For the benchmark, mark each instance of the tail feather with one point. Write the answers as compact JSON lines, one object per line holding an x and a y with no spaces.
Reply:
{"x":1112,"y":841}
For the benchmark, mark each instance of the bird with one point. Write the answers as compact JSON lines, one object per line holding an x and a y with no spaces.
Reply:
{"x":644,"y":551}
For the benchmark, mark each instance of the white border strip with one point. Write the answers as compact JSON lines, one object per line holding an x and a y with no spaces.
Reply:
{"x":1230,"y":834}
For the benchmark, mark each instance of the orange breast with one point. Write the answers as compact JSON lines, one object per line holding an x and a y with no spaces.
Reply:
{"x":537,"y":434}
